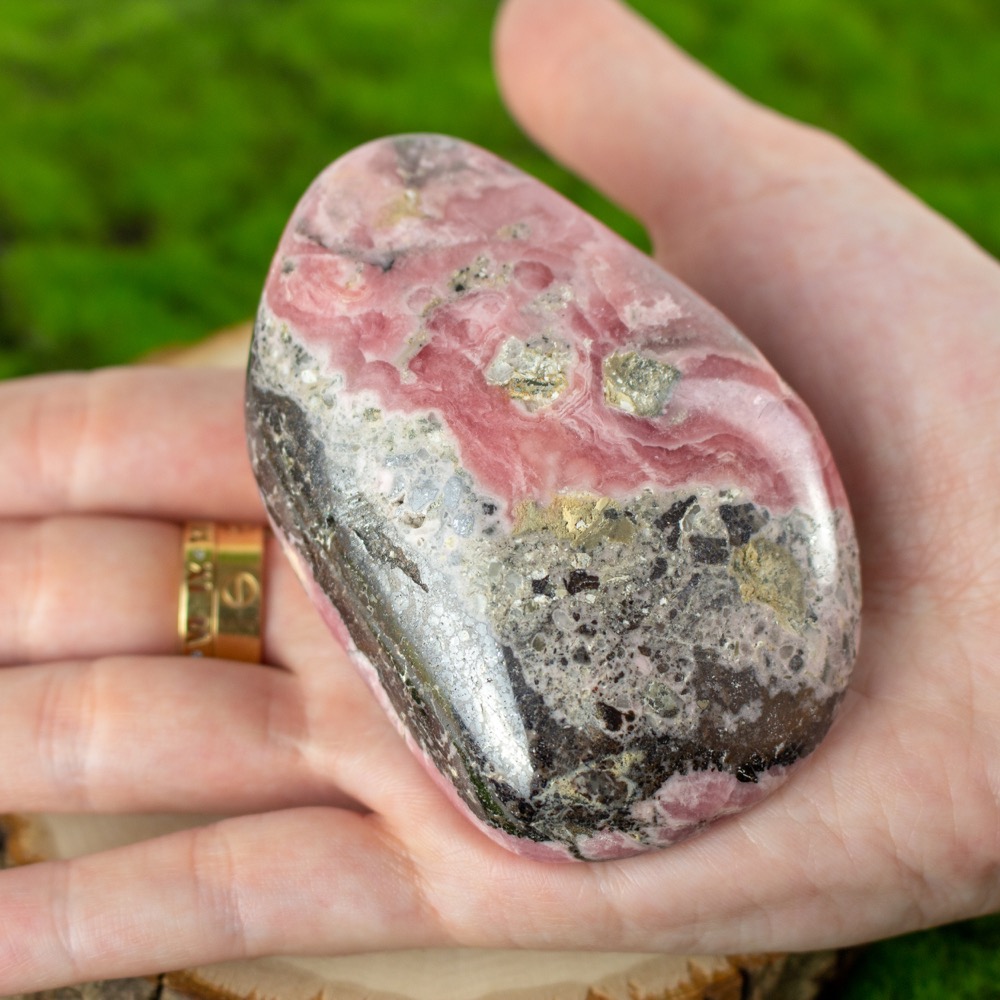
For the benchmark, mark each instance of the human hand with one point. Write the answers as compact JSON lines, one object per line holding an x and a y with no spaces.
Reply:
{"x":882,"y":316}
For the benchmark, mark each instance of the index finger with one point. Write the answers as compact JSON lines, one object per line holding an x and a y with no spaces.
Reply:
{"x":150,"y":441}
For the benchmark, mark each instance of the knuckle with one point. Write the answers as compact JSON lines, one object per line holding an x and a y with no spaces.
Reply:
{"x":65,"y":730}
{"x":22,"y":591}
{"x":218,"y":889}
{"x":63,"y":922}
{"x":415,"y":902}
{"x":57,"y":429}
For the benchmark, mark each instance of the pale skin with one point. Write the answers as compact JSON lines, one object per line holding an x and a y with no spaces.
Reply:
{"x":883,"y":317}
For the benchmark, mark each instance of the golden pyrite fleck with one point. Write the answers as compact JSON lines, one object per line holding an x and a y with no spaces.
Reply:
{"x":638,"y":384}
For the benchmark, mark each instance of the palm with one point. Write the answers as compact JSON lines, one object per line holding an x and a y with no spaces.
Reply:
{"x":878,"y":313}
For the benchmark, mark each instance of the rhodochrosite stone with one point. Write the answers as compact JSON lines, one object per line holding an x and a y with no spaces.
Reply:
{"x":586,"y":546}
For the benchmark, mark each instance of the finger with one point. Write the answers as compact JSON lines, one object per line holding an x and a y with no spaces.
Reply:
{"x":308,"y":882}
{"x":169,"y":735}
{"x":150,"y":441}
{"x":303,"y":881}
{"x":88,"y":586}
{"x":614,"y":99}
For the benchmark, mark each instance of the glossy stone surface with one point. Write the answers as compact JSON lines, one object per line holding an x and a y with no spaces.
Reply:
{"x":587,"y":548}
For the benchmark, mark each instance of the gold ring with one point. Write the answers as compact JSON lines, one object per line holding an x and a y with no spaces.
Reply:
{"x":222,"y":591}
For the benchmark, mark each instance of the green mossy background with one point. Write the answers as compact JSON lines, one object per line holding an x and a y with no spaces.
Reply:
{"x":151,"y":151}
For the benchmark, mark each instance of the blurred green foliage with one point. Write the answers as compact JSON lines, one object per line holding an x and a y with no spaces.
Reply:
{"x":960,"y":962}
{"x":151,"y":150}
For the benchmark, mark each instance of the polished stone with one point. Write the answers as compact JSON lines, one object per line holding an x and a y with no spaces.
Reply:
{"x":588,"y":549}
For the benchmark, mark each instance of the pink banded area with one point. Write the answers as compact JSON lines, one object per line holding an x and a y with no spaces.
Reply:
{"x":369,"y":275}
